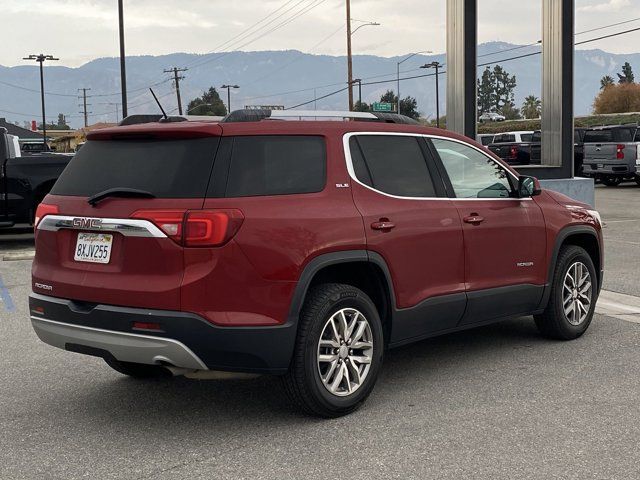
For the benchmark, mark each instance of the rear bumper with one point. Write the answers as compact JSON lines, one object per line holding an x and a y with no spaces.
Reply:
{"x":594,"y":169}
{"x":185,"y":340}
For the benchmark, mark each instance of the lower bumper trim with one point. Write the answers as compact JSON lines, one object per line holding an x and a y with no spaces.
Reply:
{"x":126,"y":347}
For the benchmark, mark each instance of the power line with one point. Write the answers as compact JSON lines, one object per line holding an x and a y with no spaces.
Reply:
{"x":608,"y":26}
{"x":318,"y":98}
{"x":284,"y":23}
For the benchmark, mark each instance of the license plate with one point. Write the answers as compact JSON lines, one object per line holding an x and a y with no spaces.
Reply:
{"x":93,"y":248}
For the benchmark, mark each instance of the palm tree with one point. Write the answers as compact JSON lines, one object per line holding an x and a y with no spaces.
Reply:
{"x":531,"y":107}
{"x":606,"y":81}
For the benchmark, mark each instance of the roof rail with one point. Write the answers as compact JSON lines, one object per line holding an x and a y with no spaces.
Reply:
{"x":257,"y":115}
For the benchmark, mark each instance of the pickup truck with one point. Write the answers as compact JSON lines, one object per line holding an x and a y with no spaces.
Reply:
{"x":25,"y":180}
{"x":611,"y":154}
{"x":513,"y":147}
{"x":578,"y":149}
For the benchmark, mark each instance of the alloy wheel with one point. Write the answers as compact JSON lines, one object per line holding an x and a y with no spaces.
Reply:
{"x":345,"y":352}
{"x":577,"y":292}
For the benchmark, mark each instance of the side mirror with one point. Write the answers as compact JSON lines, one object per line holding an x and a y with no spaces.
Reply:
{"x":528,"y":187}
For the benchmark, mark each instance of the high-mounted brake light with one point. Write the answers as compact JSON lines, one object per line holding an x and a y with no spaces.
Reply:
{"x":44,"y":210}
{"x":620,"y":151}
{"x":196,"y":228}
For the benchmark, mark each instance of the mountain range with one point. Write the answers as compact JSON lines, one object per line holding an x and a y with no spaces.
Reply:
{"x":285,"y":78}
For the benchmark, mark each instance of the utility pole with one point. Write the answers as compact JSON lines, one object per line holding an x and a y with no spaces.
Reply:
{"x":41,"y":59}
{"x":177,"y":78}
{"x":229,"y":87}
{"x":349,"y":59}
{"x":84,"y":105}
{"x":123,"y":71}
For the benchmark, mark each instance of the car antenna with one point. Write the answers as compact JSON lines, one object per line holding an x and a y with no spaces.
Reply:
{"x":159,"y":104}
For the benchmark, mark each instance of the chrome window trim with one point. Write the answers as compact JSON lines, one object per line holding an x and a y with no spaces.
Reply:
{"x":129,"y":227}
{"x":349,"y":161}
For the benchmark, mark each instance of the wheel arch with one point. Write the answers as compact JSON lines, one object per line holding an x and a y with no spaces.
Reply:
{"x":360,"y":268}
{"x":579,"y":235}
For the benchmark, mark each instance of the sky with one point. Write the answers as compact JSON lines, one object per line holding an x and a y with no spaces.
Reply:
{"x":78,"y":31}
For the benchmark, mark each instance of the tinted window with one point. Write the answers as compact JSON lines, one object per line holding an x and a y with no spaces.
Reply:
{"x":609,"y":135}
{"x":536,"y":137}
{"x":276,"y":165}
{"x":396,"y":165}
{"x":526,"y":137}
{"x":472,"y":174}
{"x":359,"y":165}
{"x":486,"y":140}
{"x":166,"y":168}
{"x":504,"y":138}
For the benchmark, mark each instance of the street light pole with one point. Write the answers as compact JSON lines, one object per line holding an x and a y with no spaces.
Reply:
{"x":229,"y":87}
{"x":41,"y":59}
{"x":123,"y":71}
{"x":437,"y":66}
{"x":398,"y":73}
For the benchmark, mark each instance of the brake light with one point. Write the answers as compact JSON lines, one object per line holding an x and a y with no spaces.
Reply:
{"x":513,"y":153}
{"x":169,"y":221}
{"x":44,"y":210}
{"x":195,"y":228}
{"x":620,"y":152}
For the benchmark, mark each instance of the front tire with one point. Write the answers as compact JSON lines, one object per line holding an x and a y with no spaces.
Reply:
{"x":338,"y":352}
{"x":573,"y":297}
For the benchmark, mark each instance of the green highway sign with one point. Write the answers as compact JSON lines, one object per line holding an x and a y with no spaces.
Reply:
{"x":383,"y":107}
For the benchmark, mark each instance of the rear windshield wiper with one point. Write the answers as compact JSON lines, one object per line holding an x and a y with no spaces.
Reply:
{"x":119,"y":192}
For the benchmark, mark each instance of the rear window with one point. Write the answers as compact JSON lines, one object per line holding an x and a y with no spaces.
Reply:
{"x":507,"y":138}
{"x":526,"y":137}
{"x":166,"y":168}
{"x":276,"y":165}
{"x":609,"y":135}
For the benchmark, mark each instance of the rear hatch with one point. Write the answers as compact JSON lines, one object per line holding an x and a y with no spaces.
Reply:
{"x":122,"y":247}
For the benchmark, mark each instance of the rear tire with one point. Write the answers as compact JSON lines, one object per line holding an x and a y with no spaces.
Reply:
{"x":612,"y":181}
{"x":338,"y":352}
{"x":138,"y":370}
{"x":574,"y":292}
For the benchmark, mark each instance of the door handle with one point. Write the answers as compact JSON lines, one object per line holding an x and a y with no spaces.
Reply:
{"x":383,"y":224}
{"x":473,"y":219}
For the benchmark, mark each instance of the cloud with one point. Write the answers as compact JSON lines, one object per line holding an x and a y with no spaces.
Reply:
{"x":606,"y":7}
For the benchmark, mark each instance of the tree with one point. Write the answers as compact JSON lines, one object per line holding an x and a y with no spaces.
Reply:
{"x":361,"y":107}
{"x":486,"y":91}
{"x":496,"y":90}
{"x":60,"y":125}
{"x":531,"y":107}
{"x":209,"y":103}
{"x":627,"y":74}
{"x":510,"y":111}
{"x":606,"y":81}
{"x":621,"y":98}
{"x":408,"y":105}
{"x":505,"y":86}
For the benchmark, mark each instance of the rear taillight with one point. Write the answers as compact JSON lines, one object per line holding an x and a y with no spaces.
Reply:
{"x":620,"y":152}
{"x":513,"y":153}
{"x":169,"y":221}
{"x":195,"y":228}
{"x":44,"y":210}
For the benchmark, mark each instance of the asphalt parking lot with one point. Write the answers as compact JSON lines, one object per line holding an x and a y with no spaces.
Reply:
{"x":495,"y":402}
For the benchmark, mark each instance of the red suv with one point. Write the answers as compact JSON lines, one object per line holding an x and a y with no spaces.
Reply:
{"x":299,"y":248}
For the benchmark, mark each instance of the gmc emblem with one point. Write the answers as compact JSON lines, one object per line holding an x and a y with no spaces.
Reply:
{"x":81,"y":222}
